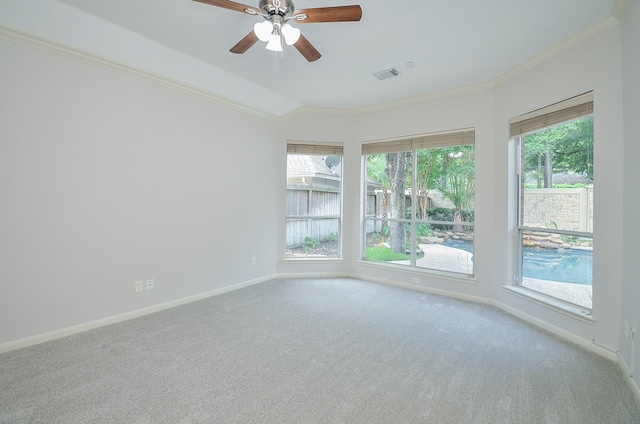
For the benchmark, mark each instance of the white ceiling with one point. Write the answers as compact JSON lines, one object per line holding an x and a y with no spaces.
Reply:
{"x":454,"y":44}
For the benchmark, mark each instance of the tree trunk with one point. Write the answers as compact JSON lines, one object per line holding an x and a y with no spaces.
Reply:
{"x":397,"y":170}
{"x":547,"y":170}
{"x":457,"y":217}
{"x":538,"y":180}
{"x":397,"y":237}
{"x":385,"y":207}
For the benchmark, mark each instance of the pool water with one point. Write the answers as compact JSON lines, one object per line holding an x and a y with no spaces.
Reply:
{"x":563,"y":265}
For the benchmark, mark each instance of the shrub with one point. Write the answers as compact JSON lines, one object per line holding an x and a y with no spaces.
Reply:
{"x":311,"y":242}
{"x":440,"y":214}
{"x":446,"y":214}
{"x":424,"y":230}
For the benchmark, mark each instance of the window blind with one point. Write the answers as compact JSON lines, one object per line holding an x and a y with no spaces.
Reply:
{"x":567,"y":110}
{"x":463,"y":137}
{"x":315,"y":149}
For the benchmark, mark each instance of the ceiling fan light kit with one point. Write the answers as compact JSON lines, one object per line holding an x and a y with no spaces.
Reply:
{"x":291,"y":34}
{"x":276,"y":31}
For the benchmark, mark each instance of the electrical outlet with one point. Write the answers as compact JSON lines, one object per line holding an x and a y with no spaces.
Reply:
{"x":253,"y":260}
{"x":633,"y":331}
{"x":626,"y":329}
{"x":150,"y":284}
{"x":138,"y":286}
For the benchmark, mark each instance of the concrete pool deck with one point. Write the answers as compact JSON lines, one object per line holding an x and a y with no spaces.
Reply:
{"x":444,"y":258}
{"x":578,"y":294}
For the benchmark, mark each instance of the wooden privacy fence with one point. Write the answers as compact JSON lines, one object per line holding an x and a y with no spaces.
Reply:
{"x":311,"y":213}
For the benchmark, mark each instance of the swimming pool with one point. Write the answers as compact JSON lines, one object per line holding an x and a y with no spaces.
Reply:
{"x":563,"y":265}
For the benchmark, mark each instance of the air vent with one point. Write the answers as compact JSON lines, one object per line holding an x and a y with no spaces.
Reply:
{"x":386,"y":74}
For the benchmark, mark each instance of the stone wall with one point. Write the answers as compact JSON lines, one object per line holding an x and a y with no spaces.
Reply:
{"x":561,"y":208}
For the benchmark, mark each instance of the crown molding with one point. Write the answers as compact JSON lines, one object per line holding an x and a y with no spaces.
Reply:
{"x":426,"y":97}
{"x":78,"y":54}
{"x":559,"y":48}
{"x":619,"y":7}
{"x":312,"y":109}
{"x":388,"y":105}
{"x":36,"y":41}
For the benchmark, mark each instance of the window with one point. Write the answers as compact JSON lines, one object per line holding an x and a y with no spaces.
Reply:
{"x":419,"y":206}
{"x":555,"y":200}
{"x":314,"y":201}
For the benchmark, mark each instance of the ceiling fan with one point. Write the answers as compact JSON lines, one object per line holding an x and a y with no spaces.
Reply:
{"x":276,"y":28}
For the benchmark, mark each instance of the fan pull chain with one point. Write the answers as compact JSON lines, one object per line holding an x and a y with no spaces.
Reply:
{"x":275,"y":57}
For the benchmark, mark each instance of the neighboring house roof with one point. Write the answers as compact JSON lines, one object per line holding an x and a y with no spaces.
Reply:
{"x":374,"y":183}
{"x":309,"y":166}
{"x":315,"y":166}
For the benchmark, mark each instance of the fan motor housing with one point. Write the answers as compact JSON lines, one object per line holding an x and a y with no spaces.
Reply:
{"x":283,"y":8}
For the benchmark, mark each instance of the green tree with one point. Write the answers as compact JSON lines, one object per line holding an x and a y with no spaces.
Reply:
{"x":427,"y":175}
{"x":452,"y":170}
{"x":459,"y":174}
{"x":397,"y":171}
{"x":376,"y":165}
{"x":563,"y":148}
{"x":376,"y":169}
{"x":574,"y":152}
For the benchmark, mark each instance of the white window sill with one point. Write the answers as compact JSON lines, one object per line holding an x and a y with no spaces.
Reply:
{"x":573,"y":311}
{"x":311,"y":259}
{"x":452,"y":276}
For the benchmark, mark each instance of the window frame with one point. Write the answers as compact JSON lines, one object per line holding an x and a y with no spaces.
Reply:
{"x":316,"y":149}
{"x":451,"y":138}
{"x":574,"y":108}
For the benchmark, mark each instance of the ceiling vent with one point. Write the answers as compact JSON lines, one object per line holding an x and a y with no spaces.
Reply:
{"x":389,"y":73}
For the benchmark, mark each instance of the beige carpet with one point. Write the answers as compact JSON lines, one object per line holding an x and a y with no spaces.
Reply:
{"x":315,"y":351}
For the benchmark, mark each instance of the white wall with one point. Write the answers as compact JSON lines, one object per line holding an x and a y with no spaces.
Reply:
{"x":107,"y":178}
{"x":591,"y":65}
{"x":469,"y":110}
{"x":319,"y":127}
{"x":631,"y":184}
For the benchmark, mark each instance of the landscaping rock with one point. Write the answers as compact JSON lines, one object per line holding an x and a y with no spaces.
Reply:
{"x":430,"y":240}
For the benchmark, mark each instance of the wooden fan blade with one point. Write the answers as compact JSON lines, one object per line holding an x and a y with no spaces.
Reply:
{"x":330,"y":14}
{"x":227,"y":4}
{"x":306,"y":49}
{"x":245,"y":44}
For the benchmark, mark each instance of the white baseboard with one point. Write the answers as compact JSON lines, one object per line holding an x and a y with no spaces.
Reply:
{"x":624,"y":368}
{"x":40,"y":338}
{"x":29,"y":341}
{"x":613,"y":356}
{"x":314,"y":275}
{"x":455,"y":295}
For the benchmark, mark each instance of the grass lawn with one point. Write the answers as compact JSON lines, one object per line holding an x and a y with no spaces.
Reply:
{"x":383,"y":253}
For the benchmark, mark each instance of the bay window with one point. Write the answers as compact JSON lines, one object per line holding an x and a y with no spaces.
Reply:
{"x":555,"y":191}
{"x":419,"y":206}
{"x":313,"y":201}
